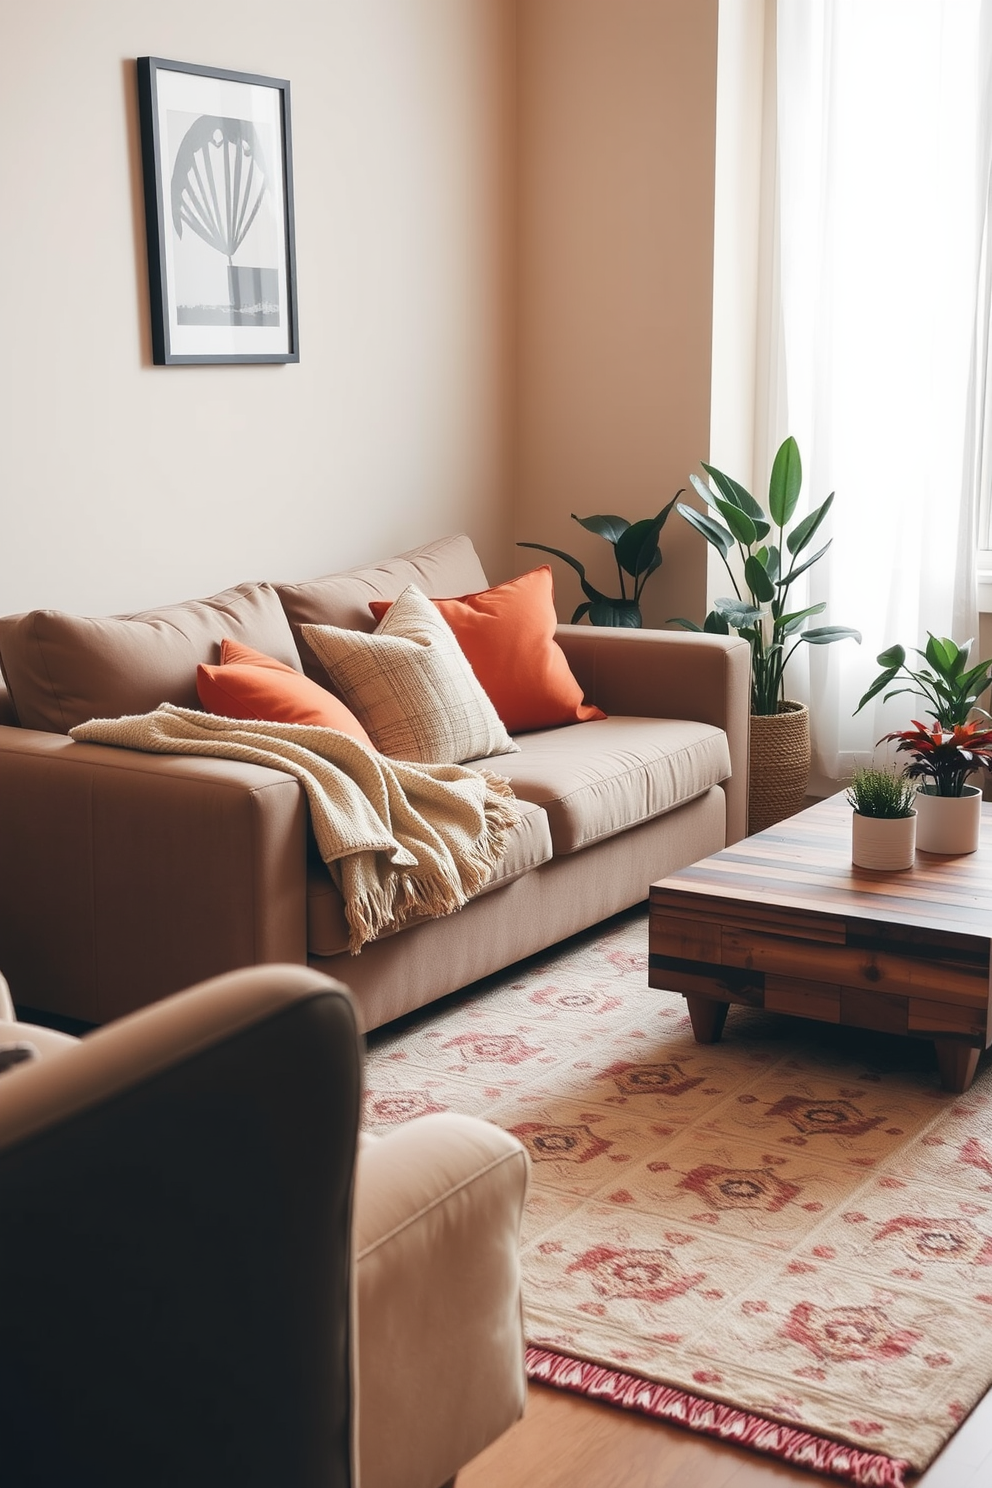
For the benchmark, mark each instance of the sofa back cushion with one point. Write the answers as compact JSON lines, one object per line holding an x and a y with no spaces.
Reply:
{"x":62,"y":670}
{"x":447,"y":567}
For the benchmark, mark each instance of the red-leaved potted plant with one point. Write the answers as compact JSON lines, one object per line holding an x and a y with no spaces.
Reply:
{"x":949,"y":810}
{"x":943,"y":758}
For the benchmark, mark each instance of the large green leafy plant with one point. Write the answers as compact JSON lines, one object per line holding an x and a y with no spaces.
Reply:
{"x":949,"y":684}
{"x":733,"y":521}
{"x":637,"y":551}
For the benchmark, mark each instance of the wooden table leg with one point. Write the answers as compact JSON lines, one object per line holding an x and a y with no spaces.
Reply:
{"x":957,"y":1063}
{"x":707,"y":1017}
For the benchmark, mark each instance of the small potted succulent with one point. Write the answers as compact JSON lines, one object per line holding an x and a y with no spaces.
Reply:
{"x":883,"y":834}
{"x":950,"y":747}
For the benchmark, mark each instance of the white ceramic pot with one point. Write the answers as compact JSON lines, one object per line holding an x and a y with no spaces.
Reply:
{"x":885,"y":843}
{"x":948,"y":824}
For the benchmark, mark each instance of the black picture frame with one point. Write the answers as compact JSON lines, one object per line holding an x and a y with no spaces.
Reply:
{"x":217,"y":158}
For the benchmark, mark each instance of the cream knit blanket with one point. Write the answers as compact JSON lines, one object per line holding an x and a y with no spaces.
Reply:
{"x":400,"y":840}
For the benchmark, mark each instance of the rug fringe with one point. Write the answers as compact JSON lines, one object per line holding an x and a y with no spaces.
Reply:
{"x":664,"y":1402}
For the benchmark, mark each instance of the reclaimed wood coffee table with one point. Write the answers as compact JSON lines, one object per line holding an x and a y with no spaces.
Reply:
{"x":783,"y":921}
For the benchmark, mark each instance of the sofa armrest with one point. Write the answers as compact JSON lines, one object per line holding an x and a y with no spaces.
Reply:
{"x":671,"y":674}
{"x":438,"y":1204}
{"x":127,"y":876}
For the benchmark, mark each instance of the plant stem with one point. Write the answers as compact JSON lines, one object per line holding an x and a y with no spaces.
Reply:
{"x":623,"y":587}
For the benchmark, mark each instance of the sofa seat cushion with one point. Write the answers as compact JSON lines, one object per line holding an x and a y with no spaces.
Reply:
{"x":327,"y":929}
{"x":596,"y":779}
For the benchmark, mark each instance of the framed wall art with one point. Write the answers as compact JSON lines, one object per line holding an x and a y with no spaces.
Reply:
{"x":218,"y":172}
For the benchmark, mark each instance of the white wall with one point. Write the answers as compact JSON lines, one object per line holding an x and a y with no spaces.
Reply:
{"x":123,"y":484}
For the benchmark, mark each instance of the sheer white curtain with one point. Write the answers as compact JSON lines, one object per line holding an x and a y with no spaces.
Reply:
{"x":881,"y":287}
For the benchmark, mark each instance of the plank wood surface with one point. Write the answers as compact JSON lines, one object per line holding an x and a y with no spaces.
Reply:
{"x":804,"y":864}
{"x":784,"y":920}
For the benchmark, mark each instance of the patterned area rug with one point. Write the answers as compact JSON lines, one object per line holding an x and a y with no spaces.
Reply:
{"x":784,"y":1238}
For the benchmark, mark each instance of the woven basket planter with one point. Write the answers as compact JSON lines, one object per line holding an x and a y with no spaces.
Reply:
{"x":780,"y":761}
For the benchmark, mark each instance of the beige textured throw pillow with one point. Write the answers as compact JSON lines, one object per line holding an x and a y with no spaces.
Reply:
{"x":411,"y":686}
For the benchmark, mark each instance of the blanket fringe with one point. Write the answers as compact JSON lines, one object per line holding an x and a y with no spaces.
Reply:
{"x":665,"y":1402}
{"x":501,"y":816}
{"x":409,"y":895}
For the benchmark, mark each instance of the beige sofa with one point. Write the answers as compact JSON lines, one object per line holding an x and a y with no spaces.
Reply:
{"x":212,"y":1280}
{"x":188,"y":867}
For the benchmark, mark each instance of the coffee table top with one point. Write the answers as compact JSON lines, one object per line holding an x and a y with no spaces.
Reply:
{"x":803,"y":864}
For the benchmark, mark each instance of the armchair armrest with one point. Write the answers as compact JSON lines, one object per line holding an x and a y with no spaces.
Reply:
{"x":440,"y":1335}
{"x":175,"y":1230}
{"x":671,"y":674}
{"x":126,"y":876}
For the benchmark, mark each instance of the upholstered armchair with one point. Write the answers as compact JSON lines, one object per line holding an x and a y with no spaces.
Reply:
{"x":210,"y":1279}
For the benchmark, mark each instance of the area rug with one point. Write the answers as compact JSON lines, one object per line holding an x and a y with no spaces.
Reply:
{"x":784,"y":1239}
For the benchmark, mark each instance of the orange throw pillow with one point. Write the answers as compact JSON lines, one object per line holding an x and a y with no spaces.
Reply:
{"x":507,"y":633}
{"x":250,"y":685}
{"x":234,"y":652}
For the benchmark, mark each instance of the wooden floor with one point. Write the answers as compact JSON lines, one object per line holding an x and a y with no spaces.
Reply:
{"x":566,"y":1442}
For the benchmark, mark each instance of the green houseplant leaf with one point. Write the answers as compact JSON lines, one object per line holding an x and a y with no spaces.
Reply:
{"x":637,"y":550}
{"x":615,"y":612}
{"x":735,"y":522}
{"x":791,"y":623}
{"x":557,"y":553}
{"x":715,"y":624}
{"x":732,"y":491}
{"x":804,"y":530}
{"x":758,"y":579}
{"x":738,"y":613}
{"x":945,"y":657}
{"x":786,"y":482}
{"x":718,"y":536}
{"x":824,"y":635}
{"x":612,"y":528}
{"x":637,"y":553}
{"x":739,"y":523}
{"x":951,"y":691}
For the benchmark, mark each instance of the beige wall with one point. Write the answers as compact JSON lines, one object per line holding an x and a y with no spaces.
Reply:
{"x":504,"y":250}
{"x":123,"y":484}
{"x":616,"y":149}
